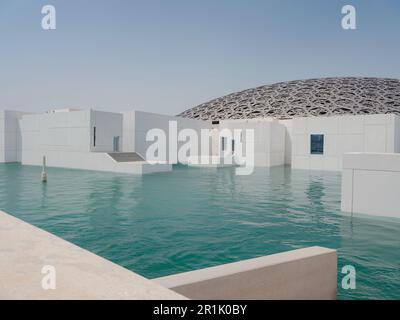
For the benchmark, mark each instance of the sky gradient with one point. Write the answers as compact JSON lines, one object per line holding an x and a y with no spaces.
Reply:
{"x":167,"y":56}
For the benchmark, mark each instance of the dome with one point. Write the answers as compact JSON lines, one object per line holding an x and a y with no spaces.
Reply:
{"x":305,"y":98}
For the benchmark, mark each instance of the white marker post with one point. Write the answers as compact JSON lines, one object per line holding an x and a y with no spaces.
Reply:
{"x":44,"y":174}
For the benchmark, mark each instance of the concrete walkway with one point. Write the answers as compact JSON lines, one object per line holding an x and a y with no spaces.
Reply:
{"x":30,"y":257}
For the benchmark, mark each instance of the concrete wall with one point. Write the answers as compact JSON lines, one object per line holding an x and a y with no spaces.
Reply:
{"x":80,"y":274}
{"x":10,"y":136}
{"x":269,"y":139}
{"x":369,"y":133}
{"x":309,"y":273}
{"x":371,"y":184}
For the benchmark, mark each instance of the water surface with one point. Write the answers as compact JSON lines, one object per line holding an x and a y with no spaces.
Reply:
{"x":166,"y":223}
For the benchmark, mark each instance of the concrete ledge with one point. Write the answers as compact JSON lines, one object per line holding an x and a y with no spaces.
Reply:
{"x":309,"y":273}
{"x":372,"y":161}
{"x":80,"y":274}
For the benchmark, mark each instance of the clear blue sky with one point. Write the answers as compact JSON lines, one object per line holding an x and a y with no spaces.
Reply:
{"x":168,"y":55}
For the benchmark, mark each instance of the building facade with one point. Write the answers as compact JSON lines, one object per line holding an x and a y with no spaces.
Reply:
{"x":308,"y":124}
{"x":85,"y":139}
{"x":322,"y":118}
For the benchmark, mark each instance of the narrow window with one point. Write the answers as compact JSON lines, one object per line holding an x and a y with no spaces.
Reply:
{"x":233,"y":146}
{"x":116,"y":144}
{"x":94,"y":136}
{"x":223,"y":143}
{"x":317,"y":144}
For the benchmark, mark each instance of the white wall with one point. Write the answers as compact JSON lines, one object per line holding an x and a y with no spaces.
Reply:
{"x":288,"y":140}
{"x":371,"y":184}
{"x":362,"y":133}
{"x":108,"y":125}
{"x":215,"y":147}
{"x":10,"y":136}
{"x":128,"y":131}
{"x":54,"y":132}
{"x":137,"y":124}
{"x":269,"y":139}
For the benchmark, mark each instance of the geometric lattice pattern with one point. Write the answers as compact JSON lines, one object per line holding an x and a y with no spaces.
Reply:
{"x":305,"y":98}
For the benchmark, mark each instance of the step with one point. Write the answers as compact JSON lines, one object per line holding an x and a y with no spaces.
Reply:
{"x":125,"y":156}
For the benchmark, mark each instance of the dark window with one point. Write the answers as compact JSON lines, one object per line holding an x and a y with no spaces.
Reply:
{"x":94,"y":136}
{"x":317,"y":144}
{"x":233,"y":146}
{"x":116,"y":144}
{"x":223,"y":143}
{"x":215,"y":122}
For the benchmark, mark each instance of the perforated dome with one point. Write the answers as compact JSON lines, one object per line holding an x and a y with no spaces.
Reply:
{"x":305,"y":98}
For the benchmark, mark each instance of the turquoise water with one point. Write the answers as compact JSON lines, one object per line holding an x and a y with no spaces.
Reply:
{"x":167,"y":223}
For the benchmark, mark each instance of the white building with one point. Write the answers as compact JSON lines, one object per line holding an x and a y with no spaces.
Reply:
{"x":90,"y":140}
{"x":334,"y":136}
{"x":307,"y":124}
{"x":323,"y":119}
{"x":108,"y":141}
{"x":316,"y":143}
